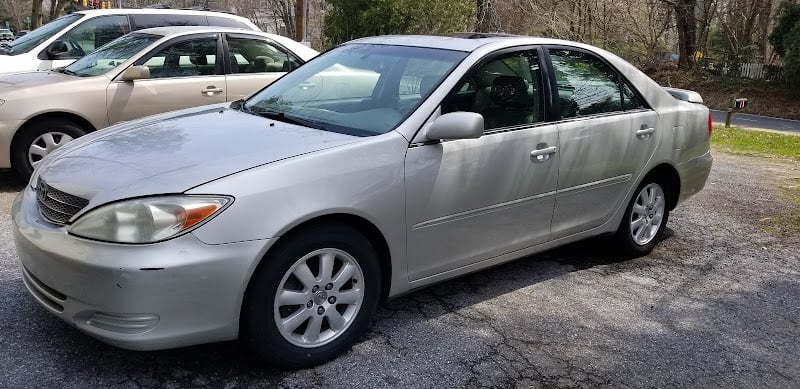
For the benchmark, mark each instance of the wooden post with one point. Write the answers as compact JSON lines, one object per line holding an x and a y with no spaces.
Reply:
{"x":300,"y":20}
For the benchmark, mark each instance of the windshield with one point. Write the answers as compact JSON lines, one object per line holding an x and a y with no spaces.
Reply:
{"x":34,"y":38}
{"x":111,"y":55}
{"x":357,"y":89}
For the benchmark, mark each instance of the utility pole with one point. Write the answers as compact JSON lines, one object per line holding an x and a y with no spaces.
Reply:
{"x":300,"y":20}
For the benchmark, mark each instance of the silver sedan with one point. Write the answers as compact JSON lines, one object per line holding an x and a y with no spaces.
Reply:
{"x":380,"y":167}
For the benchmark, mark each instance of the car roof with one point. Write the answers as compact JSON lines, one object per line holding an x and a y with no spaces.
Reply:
{"x":463,"y":41}
{"x":134,"y":11}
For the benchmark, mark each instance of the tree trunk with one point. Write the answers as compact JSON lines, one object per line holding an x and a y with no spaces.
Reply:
{"x":36,"y":14}
{"x":686,"y":25}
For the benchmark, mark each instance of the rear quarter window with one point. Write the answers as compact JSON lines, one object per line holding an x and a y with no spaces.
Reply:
{"x":142,"y":21}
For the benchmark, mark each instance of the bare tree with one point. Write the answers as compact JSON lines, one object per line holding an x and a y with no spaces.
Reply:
{"x":16,"y":12}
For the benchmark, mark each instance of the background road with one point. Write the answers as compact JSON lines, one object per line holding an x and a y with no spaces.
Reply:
{"x":755,"y":121}
{"x":717,"y":304}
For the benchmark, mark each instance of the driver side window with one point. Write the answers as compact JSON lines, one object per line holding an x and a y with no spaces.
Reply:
{"x":506,"y":91}
{"x":96,"y":32}
{"x":187,"y":58}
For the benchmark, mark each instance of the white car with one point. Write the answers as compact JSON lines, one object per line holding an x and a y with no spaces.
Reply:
{"x":62,"y":41}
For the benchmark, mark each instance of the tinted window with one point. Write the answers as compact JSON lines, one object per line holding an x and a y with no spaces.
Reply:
{"x":226,"y":22}
{"x":587,"y":86}
{"x":506,"y":91}
{"x":159,"y":20}
{"x":259,"y":56}
{"x":187,"y":58}
{"x":94,"y":33}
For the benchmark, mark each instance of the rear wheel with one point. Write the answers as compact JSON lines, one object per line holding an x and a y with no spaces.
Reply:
{"x":39,"y":139}
{"x":645,"y":219}
{"x":312,"y":297}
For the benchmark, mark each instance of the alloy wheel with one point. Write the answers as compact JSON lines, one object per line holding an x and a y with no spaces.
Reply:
{"x":319,"y":297}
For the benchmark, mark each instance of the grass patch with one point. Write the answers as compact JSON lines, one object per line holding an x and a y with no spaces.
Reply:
{"x":753,"y":142}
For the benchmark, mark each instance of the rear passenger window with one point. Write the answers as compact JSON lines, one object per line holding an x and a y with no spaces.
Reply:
{"x":587,"y":86}
{"x":142,"y":21}
{"x":249,"y":55}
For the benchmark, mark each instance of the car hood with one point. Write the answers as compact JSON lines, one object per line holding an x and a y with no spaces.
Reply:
{"x":175,"y":152}
{"x":29,"y":79}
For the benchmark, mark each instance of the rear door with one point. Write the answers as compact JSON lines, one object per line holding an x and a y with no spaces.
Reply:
{"x":184,"y":72}
{"x":253,"y":62}
{"x":606,"y":137}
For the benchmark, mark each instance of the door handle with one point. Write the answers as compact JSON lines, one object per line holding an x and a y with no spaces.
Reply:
{"x":541,"y":155}
{"x":211,"y":91}
{"x":645,"y":131}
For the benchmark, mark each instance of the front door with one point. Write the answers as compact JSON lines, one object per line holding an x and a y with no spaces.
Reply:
{"x":473,"y":199}
{"x":183,"y":74}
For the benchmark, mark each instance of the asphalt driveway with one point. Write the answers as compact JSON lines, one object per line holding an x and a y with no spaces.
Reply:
{"x":717,"y":304}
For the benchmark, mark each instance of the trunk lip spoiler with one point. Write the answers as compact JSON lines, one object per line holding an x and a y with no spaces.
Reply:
{"x":684,"y":95}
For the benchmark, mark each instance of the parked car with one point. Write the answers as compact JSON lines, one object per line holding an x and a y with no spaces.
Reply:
{"x":6,"y":35}
{"x":62,"y":41}
{"x":143,"y":73}
{"x":284,"y":218}
{"x":21,"y":33}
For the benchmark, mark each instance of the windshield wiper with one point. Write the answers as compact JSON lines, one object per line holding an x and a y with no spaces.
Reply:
{"x":283,"y":117}
{"x":65,"y":71}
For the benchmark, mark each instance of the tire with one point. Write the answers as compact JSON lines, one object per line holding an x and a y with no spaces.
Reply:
{"x":326,"y":312}
{"x":645,"y":219}
{"x":38,"y":139}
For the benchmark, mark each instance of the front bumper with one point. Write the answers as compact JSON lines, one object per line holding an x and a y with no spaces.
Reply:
{"x":143,"y":297}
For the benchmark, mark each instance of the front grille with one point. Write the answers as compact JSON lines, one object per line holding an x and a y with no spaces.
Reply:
{"x":55,"y":205}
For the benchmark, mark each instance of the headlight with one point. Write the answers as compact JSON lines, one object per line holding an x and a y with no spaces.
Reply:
{"x":147,"y":220}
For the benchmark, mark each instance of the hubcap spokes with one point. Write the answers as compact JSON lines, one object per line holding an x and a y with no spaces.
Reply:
{"x":647,"y":214}
{"x":45,"y":144}
{"x":319,"y":297}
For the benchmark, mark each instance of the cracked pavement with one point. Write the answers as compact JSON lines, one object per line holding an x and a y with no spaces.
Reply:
{"x":717,"y":304}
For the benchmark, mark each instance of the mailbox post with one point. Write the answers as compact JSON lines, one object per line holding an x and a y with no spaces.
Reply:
{"x":736,"y":104}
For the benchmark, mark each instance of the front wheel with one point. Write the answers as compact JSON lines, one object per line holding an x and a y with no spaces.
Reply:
{"x":644,"y":221}
{"x":312,"y":297}
{"x":38,"y":139}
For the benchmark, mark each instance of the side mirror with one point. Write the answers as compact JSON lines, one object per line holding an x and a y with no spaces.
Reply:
{"x":456,"y":125}
{"x":57,"y":49}
{"x":139,"y":72}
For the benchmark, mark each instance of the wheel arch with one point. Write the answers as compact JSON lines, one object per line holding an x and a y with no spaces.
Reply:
{"x":75,"y":118}
{"x":668,"y":176}
{"x":362,"y":225}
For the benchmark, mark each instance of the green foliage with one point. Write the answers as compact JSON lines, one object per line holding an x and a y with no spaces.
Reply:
{"x":787,"y":18}
{"x":791,"y":61}
{"x":753,"y":142}
{"x":351,"y":19}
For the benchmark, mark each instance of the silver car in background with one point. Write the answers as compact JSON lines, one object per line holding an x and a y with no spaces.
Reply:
{"x":382,"y":166}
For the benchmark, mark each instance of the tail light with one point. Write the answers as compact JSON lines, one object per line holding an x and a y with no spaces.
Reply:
{"x":709,"y":123}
